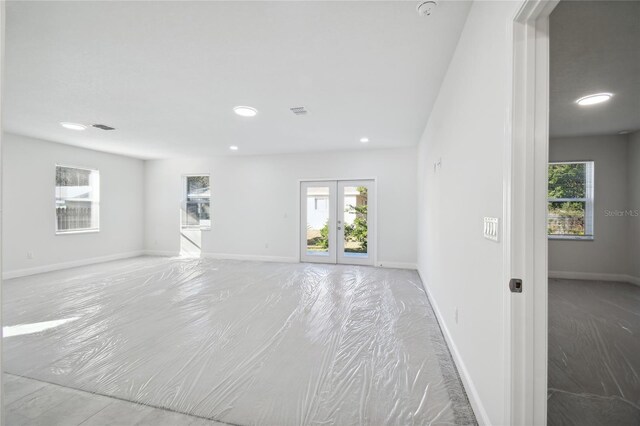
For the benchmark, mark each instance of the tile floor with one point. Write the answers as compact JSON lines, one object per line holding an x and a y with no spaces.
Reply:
{"x":239,"y":342}
{"x":594,"y":364}
{"x":31,"y":402}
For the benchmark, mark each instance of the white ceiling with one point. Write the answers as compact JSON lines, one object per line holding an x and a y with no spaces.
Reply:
{"x":595,"y":47}
{"x":166,"y":75}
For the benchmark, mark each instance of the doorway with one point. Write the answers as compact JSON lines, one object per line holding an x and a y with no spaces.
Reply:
{"x":337,"y":218}
{"x":593,"y":211}
{"x":536,"y":209}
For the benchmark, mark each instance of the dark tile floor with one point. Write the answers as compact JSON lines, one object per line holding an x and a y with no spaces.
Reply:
{"x":594,"y":353}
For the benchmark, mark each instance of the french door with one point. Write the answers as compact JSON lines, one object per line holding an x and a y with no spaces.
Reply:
{"x":337,"y":221}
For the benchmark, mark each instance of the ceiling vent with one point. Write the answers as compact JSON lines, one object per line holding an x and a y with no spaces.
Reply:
{"x":103,"y":127}
{"x":298,"y":110}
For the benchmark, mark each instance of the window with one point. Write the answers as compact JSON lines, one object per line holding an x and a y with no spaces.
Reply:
{"x":77,"y":200}
{"x":197,"y":200}
{"x":570,"y":202}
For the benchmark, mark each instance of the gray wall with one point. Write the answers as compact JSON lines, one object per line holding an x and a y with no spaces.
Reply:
{"x":616,"y":178}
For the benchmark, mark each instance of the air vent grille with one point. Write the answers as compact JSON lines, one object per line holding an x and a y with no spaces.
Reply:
{"x":103,"y":127}
{"x":298,"y":110}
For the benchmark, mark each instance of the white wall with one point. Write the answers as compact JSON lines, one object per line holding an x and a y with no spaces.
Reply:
{"x":467,"y":130}
{"x":608,"y":253}
{"x":634,"y":203}
{"x":28,"y":184}
{"x":255,"y":201}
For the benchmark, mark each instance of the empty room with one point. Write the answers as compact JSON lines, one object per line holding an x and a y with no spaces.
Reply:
{"x":318,"y":213}
{"x":594,"y":214}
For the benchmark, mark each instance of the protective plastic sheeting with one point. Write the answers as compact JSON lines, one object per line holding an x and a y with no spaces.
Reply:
{"x":594,"y":353}
{"x":240,"y":342}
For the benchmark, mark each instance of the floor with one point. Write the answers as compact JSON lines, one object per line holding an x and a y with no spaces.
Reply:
{"x":235,"y":342}
{"x":31,"y":402}
{"x":594,"y":353}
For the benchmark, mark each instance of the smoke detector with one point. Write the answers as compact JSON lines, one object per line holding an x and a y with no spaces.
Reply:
{"x":426,"y":8}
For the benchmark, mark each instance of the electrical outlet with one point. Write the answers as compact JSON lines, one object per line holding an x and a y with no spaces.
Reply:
{"x":266,"y":245}
{"x":29,"y":255}
{"x":490,"y":230}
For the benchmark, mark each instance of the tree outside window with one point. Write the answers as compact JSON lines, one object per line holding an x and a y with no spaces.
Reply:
{"x":570,"y":199}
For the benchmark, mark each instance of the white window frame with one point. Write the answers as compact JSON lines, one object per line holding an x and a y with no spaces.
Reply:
{"x":183,"y":209}
{"x":95,"y":200}
{"x":588,"y":200}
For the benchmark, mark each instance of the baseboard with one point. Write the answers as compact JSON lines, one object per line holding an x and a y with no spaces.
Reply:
{"x":66,"y":265}
{"x":472,"y":392}
{"x":252,"y":257}
{"x":594,"y":276}
{"x":262,"y":258}
{"x":396,"y":265}
{"x":163,"y":253}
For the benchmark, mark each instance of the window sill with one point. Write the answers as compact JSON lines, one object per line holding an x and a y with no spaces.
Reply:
{"x":571,"y":237}
{"x":196,"y":228}
{"x":79,"y":231}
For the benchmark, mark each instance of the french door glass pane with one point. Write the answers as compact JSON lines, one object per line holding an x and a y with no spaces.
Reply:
{"x":355,"y":221}
{"x":318,"y":221}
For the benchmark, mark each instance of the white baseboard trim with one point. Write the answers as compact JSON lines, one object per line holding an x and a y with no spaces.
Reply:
{"x":594,"y":276}
{"x":474,"y":398}
{"x":262,"y":258}
{"x":66,"y":265}
{"x":396,"y":265}
{"x":163,"y":253}
{"x":252,"y":257}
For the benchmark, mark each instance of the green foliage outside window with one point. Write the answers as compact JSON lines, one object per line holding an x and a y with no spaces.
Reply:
{"x":567,"y":180}
{"x":358,"y":230}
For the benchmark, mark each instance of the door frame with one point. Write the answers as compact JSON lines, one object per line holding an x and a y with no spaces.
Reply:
{"x":299,"y":212}
{"x":525,"y":248}
{"x":2,"y":66}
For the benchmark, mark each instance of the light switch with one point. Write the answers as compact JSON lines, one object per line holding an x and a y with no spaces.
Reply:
{"x":491,"y":228}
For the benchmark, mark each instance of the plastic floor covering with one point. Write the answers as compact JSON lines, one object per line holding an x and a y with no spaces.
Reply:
{"x":239,"y":342}
{"x":594,"y":353}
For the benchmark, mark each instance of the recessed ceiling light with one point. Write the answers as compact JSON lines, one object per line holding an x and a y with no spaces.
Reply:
{"x":596,"y":98}
{"x":364,"y":140}
{"x":233,"y":148}
{"x":245,"y":111}
{"x":73,"y":126}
